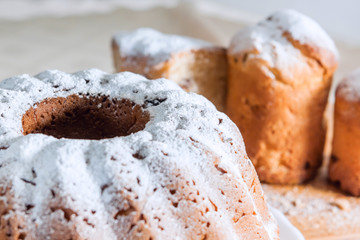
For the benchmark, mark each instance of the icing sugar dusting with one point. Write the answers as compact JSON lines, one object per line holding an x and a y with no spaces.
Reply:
{"x":266,"y":40}
{"x":349,"y":87}
{"x":304,"y":29}
{"x":189,"y":162}
{"x":147,"y":42}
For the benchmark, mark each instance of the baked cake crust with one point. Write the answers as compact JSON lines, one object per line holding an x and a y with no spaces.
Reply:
{"x":280,"y":72}
{"x":182,"y":174}
{"x":344,"y":168}
{"x":197,"y":66}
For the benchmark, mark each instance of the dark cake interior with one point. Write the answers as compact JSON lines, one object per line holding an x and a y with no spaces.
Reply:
{"x":85,"y":117}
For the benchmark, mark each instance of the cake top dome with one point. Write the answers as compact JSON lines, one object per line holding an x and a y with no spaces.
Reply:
{"x":169,"y":164}
{"x":147,"y":42}
{"x":283,"y":38}
{"x":349,"y":87}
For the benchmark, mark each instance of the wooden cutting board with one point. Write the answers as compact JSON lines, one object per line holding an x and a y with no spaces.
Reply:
{"x":318,"y":209}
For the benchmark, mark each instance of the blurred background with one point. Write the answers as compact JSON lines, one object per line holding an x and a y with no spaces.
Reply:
{"x":71,"y":35}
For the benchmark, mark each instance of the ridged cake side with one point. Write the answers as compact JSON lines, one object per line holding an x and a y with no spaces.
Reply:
{"x":184,"y":176}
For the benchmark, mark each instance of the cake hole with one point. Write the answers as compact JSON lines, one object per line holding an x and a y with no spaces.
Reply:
{"x":22,"y":236}
{"x":124,"y":212}
{"x":52,"y":193}
{"x":82,"y":117}
{"x":142,"y":218}
{"x":334,"y":158}
{"x":128,"y":189}
{"x":103,"y":187}
{"x":33,"y":173}
{"x":29,"y":206}
{"x":138,"y":156}
{"x":337,"y":183}
{"x":67,"y":212}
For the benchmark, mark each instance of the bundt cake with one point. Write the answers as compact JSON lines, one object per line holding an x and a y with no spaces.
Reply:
{"x":197,"y":66}
{"x":280,"y":72}
{"x":344,"y":167}
{"x":90,"y":155}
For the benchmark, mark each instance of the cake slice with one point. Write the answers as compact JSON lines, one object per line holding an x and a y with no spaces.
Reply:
{"x":197,"y":66}
{"x":280,"y":73}
{"x":344,"y":168}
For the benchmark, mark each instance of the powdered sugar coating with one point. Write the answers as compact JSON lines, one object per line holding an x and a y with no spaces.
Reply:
{"x":349,"y":87}
{"x":304,"y":29}
{"x":157,"y":46}
{"x":267,"y":39}
{"x":102,"y":189}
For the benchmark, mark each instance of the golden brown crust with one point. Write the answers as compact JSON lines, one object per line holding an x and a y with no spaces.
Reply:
{"x":279,"y":109}
{"x":324,"y":56}
{"x":344,"y":166}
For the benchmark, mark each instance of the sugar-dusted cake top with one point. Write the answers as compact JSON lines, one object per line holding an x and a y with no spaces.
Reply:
{"x":349,"y":87}
{"x":283,"y":36}
{"x":157,"y":46}
{"x":184,"y":174}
